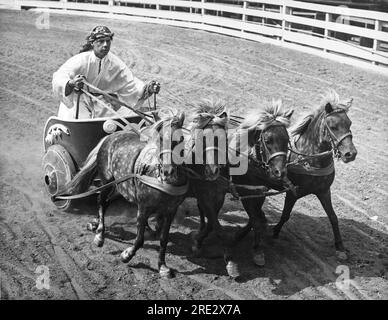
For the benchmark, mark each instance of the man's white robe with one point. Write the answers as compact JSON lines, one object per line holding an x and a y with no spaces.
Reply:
{"x":114,"y":77}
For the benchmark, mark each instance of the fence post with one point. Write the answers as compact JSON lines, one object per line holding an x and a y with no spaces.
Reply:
{"x":326,"y":31}
{"x":375,"y":41}
{"x":244,"y":17}
{"x":283,"y":10}
{"x":64,"y":4}
{"x":157,"y":10}
{"x":202,"y":10}
{"x":111,"y":4}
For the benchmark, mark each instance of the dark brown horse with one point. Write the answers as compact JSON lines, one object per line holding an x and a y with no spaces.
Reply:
{"x":316,"y":138}
{"x":156,"y":185}
{"x":267,"y":139}
{"x":205,"y":160}
{"x":323,"y":132}
{"x":211,"y":120}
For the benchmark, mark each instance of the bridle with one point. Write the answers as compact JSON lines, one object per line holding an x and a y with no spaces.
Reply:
{"x":335,"y":142}
{"x":266,"y":156}
{"x":211,"y":120}
{"x":160,"y":160}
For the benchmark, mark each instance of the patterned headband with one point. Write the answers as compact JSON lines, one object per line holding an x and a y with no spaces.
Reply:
{"x":99,"y":32}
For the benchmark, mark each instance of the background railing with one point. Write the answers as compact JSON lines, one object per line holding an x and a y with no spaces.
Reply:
{"x":358,"y":37}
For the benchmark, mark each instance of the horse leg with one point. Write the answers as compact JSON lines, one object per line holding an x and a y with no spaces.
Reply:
{"x":226,"y":240}
{"x":141,"y":222}
{"x":164,"y":271}
{"x":325,"y":199}
{"x":102,"y":205}
{"x":92,"y":226}
{"x":289,"y":203}
{"x":202,"y":222}
{"x":154,"y":234}
{"x":204,"y":230}
{"x":258,"y":222}
{"x":242,"y":232}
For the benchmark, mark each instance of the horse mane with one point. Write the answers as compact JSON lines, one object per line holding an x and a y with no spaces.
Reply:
{"x":270,"y":113}
{"x":162,"y":123}
{"x":151,"y":132}
{"x":329,"y":97}
{"x":207,"y":109}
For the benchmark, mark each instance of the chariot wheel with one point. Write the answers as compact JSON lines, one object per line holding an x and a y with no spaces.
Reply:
{"x":59,"y":169}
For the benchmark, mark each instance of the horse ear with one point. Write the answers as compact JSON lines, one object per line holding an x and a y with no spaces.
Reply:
{"x":328,"y":107}
{"x":289,"y":113}
{"x":182,"y":119}
{"x":223,"y":115}
{"x":349,"y":103}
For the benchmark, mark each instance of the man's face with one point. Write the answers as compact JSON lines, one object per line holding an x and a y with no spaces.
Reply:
{"x":101,"y":47}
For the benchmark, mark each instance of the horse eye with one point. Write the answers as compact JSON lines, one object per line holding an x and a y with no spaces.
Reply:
{"x":334,"y":127}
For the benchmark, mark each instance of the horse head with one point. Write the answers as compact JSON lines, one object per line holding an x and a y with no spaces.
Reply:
{"x":336,"y":129}
{"x":168,"y":136}
{"x":268,"y":137}
{"x":327,"y":128}
{"x":209,"y":136}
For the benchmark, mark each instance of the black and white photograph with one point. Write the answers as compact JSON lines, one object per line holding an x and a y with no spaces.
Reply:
{"x":201,"y":151}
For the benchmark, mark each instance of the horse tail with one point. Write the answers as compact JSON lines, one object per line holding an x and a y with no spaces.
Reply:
{"x":83,"y":179}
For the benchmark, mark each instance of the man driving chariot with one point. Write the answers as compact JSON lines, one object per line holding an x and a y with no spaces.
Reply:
{"x":104,"y":70}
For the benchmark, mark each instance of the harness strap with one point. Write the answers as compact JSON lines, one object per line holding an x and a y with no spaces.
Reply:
{"x":316,"y":155}
{"x":149,"y":181}
{"x":312,"y":171}
{"x":275,"y":154}
{"x":265,"y":194}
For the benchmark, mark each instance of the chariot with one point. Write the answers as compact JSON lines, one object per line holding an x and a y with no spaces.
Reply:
{"x":67,"y":144}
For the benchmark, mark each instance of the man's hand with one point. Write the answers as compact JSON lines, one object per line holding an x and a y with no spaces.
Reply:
{"x":153,"y":87}
{"x":76,"y":82}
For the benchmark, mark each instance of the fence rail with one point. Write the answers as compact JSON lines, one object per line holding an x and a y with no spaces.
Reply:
{"x":354,"y":36}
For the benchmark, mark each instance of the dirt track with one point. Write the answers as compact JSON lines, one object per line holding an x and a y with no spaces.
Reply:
{"x":190,"y":65}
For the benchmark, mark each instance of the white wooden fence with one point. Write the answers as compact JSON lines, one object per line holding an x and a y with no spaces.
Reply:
{"x":357,"y":37}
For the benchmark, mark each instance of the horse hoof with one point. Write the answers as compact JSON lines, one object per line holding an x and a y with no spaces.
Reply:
{"x":165,"y":272}
{"x":98,"y":240}
{"x":341,"y":255}
{"x":125,"y":256}
{"x":259,"y":259}
{"x":91,"y":226}
{"x":232,"y":269}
